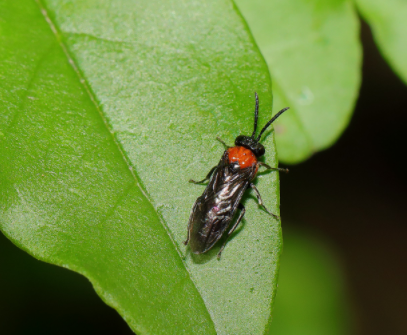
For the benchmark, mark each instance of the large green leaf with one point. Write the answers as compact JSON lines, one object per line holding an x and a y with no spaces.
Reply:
{"x":314,"y":57}
{"x":387,"y":18}
{"x":108,"y":108}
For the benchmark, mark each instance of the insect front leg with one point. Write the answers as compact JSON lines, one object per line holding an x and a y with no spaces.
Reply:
{"x":226,"y":146}
{"x":268,"y":167}
{"x":261,"y":201}
{"x":242,"y":211}
{"x":206,"y":178}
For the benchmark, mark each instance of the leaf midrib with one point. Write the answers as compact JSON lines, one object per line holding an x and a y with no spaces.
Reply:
{"x":84,"y":83}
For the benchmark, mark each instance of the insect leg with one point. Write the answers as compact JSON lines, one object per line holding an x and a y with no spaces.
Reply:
{"x":242,"y":211}
{"x":226,"y":146}
{"x":261,"y":201}
{"x":271,"y":168}
{"x":206,"y":178}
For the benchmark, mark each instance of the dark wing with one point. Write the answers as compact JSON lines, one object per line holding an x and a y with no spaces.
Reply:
{"x":215,"y":208}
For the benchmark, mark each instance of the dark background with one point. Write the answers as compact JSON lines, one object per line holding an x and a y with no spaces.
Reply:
{"x":353,"y":195}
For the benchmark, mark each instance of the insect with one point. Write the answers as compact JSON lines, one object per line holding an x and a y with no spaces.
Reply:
{"x":214,"y":210}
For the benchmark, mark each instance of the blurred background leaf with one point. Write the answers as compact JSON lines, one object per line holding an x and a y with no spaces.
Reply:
{"x":387,"y":19}
{"x":313,"y":53}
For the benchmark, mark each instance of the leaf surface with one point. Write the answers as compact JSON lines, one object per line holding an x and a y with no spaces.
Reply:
{"x":387,"y":18}
{"x":314,"y":57}
{"x":108,"y":109}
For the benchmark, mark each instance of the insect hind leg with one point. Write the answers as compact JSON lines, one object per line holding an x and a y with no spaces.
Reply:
{"x":242,"y":212}
{"x":208,"y":176}
{"x":261,"y":201}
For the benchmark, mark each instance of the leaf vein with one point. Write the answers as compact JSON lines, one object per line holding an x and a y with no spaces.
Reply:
{"x":83,"y":81}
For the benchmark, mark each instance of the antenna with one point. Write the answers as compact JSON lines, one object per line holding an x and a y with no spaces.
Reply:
{"x":270,"y":122}
{"x":256,"y":114}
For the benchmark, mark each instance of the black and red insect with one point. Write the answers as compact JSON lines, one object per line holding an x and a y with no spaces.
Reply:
{"x":214,"y":210}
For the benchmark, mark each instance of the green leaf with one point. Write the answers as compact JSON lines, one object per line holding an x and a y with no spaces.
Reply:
{"x":314,"y":57}
{"x":108,"y":109}
{"x":387,"y":18}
